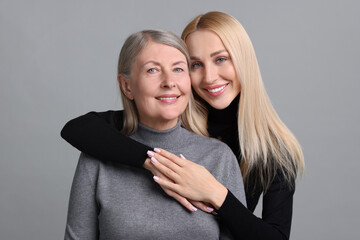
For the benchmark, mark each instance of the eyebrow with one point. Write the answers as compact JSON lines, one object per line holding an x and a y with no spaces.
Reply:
{"x":157,"y":63}
{"x":179,"y":62}
{"x":211,"y":55}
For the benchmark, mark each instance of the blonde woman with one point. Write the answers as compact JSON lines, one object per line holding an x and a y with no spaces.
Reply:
{"x":227,"y":84}
{"x":109,"y":201}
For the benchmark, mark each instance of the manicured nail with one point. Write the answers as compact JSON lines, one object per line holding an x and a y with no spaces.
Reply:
{"x":182,"y":156}
{"x":150,"y":153}
{"x":155,"y":178}
{"x":210,"y":209}
{"x":194,"y":208}
{"x":157,"y":150}
{"x":153,"y":160}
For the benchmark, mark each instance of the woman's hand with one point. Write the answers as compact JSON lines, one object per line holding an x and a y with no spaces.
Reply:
{"x":189,"y":204}
{"x":188,"y":179}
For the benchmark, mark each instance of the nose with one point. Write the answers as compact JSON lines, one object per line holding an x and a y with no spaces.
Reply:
{"x":167,"y":80}
{"x":211,"y":74}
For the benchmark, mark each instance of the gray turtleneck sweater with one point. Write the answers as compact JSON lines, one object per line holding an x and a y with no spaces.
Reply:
{"x":109,"y":201}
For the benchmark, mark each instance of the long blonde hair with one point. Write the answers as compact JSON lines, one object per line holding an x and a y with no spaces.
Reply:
{"x":267,"y":145}
{"x":131,"y":48}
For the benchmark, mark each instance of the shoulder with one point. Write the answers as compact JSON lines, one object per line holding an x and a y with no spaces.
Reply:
{"x":204,"y":140}
{"x":209,"y":146}
{"x":88,"y":166}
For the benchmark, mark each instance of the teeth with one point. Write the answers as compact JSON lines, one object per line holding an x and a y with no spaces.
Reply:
{"x":216,"y":89}
{"x":167,"y":98}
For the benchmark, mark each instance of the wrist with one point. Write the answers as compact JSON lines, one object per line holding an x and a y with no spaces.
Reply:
{"x":147,"y":164}
{"x":218,"y":197}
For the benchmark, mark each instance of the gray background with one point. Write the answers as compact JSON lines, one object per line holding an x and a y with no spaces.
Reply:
{"x":58,"y":60}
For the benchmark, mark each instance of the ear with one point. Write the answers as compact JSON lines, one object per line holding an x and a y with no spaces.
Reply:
{"x":125,"y":86}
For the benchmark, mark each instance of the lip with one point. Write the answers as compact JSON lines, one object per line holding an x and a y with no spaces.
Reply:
{"x":216,"y":90}
{"x":168,"y":98}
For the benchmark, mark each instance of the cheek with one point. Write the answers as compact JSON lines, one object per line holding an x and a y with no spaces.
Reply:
{"x":231,"y":73}
{"x":195,"y":80}
{"x":184,"y":84}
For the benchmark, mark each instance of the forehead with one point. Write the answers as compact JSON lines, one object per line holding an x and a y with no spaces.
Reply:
{"x":159,"y":52}
{"x":204,"y":41}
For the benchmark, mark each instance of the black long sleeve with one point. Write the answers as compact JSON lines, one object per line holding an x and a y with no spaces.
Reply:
{"x":98,"y":134}
{"x":275,"y":222}
{"x":276,"y":214}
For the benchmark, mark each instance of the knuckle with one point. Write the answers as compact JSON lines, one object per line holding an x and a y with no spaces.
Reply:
{"x":169,"y":172}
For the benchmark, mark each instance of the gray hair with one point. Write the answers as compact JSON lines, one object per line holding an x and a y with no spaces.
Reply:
{"x":132,"y":47}
{"x":136,"y":42}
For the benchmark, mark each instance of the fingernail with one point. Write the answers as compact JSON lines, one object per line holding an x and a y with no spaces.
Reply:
{"x":153,"y":160}
{"x":157,"y":150}
{"x":194,"y":208}
{"x":182,"y":156}
{"x":155,"y":178}
{"x":210,"y":209}
{"x":150,"y":153}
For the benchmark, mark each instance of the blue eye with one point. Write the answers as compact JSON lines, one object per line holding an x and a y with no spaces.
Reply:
{"x":195,"y":65}
{"x":178,"y":70}
{"x":221,"y":59}
{"x":151,"y":70}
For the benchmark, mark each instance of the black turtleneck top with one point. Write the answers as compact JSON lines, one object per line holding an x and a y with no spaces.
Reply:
{"x":97,"y":134}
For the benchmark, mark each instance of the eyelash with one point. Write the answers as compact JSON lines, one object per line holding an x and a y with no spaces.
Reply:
{"x":150,"y":70}
{"x":221,"y":59}
{"x":218,"y":60}
{"x":153,"y":70}
{"x":181,"y":70}
{"x":196,"y":65}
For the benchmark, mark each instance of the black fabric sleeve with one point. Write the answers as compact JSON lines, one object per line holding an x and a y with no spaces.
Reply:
{"x":98,"y":135}
{"x":276,"y":215}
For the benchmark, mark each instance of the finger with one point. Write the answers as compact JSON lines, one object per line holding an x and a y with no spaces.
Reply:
{"x":183,"y":201}
{"x":202,"y":206}
{"x":165,"y":161}
{"x":166,"y":184}
{"x":147,"y":164}
{"x":164,"y":170}
{"x":170,"y":156}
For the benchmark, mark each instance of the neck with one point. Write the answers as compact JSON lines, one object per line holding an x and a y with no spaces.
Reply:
{"x":160,"y":125}
{"x":167,"y":139}
{"x":226,"y":115}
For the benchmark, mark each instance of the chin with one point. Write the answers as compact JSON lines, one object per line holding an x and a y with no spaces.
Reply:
{"x":170,"y":116}
{"x":219,"y":103}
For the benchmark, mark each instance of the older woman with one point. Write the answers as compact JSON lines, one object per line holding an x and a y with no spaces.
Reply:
{"x":109,"y":201}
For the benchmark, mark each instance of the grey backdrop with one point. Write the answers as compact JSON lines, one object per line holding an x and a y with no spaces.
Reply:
{"x":58,"y":60}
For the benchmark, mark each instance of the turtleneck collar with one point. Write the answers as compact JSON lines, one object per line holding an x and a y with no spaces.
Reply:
{"x":167,"y":139}
{"x":226,"y":115}
{"x":222,"y":124}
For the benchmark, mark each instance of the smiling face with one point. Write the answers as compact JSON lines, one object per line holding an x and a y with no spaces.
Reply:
{"x":159,"y":85}
{"x":213,"y":75}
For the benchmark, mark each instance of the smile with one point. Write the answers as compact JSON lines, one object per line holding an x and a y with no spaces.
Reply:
{"x":216,"y":90}
{"x":168,"y":98}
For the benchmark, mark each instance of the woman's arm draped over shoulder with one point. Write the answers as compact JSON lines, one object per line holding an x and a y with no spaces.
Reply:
{"x":98,"y":135}
{"x":276,"y":214}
